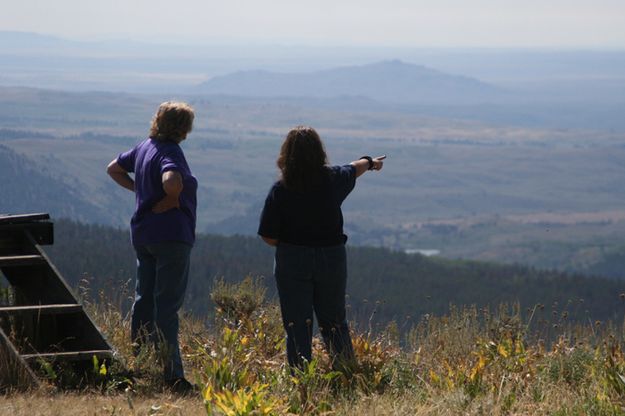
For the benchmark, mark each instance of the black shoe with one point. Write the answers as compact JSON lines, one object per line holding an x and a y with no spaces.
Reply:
{"x":181,"y":386}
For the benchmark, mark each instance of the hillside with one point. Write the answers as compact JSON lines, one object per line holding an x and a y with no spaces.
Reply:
{"x":388,"y":81}
{"x":27,"y":187}
{"x":396,"y":285}
{"x":467,"y":189}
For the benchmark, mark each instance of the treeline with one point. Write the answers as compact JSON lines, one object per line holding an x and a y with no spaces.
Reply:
{"x":383,"y":284}
{"x":10,"y":134}
{"x":611,"y":263}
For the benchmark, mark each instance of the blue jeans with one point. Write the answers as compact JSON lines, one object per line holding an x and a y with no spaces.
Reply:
{"x":313,"y":279}
{"x":162,"y":275}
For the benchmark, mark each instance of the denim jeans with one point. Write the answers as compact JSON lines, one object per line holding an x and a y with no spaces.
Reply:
{"x":162,"y":275}
{"x":313,"y":279}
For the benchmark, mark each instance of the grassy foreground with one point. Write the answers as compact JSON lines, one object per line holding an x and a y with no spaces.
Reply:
{"x":471,"y":361}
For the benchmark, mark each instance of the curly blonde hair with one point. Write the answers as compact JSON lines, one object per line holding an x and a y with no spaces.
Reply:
{"x":172,"y":122}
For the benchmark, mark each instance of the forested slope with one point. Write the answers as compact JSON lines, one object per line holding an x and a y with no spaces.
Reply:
{"x":31,"y":187}
{"x":401,"y":285}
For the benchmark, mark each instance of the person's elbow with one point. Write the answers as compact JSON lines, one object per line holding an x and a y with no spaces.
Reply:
{"x":271,"y":241}
{"x":172,"y":183}
{"x":114,"y":168}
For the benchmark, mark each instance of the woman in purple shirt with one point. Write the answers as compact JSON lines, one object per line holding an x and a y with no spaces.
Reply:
{"x":302,"y":217}
{"x":162,"y":231}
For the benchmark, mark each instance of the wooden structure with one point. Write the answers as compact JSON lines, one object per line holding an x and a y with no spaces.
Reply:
{"x":42,"y":324}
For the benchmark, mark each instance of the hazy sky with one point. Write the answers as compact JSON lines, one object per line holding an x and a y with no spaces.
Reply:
{"x":421,"y":23}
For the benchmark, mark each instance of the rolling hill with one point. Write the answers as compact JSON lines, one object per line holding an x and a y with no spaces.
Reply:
{"x":388,"y":81}
{"x":30,"y":187}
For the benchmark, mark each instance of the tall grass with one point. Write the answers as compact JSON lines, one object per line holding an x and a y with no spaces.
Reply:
{"x":469,"y":361}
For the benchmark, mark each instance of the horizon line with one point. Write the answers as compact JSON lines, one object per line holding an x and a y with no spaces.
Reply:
{"x":185,"y":42}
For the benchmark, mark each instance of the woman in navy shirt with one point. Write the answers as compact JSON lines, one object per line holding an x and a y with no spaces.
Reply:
{"x":302,"y":218}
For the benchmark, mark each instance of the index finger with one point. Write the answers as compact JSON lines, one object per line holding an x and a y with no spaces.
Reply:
{"x":381,"y":157}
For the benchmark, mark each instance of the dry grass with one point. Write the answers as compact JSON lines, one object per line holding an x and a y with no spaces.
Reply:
{"x":469,"y":362}
{"x":63,"y":404}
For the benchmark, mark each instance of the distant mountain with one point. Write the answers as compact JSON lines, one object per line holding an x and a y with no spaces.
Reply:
{"x":35,"y":45}
{"x":14,"y":39}
{"x":388,"y":81}
{"x":41,"y":49}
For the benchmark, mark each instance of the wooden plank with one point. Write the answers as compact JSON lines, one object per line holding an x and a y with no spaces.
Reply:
{"x":24,"y":260}
{"x":42,"y":309}
{"x":93,"y":333}
{"x":23,"y":218}
{"x":13,"y":234}
{"x":14,"y":372}
{"x":68,"y":355}
{"x":49,"y":317}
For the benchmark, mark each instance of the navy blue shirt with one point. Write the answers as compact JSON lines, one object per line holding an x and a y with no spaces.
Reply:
{"x":312,"y":218}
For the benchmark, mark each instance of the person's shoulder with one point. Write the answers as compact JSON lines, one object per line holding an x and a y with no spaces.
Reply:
{"x":145,"y":145}
{"x":343,"y":179}
{"x":139,"y":148}
{"x":277,"y":187}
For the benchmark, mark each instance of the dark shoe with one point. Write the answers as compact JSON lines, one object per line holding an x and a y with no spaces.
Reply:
{"x":181,"y":386}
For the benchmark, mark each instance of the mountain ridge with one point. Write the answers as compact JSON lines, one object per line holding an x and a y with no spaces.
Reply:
{"x":392,"y":81}
{"x":33,"y":188}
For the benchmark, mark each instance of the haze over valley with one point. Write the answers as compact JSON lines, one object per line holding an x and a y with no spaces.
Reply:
{"x":502,"y":155}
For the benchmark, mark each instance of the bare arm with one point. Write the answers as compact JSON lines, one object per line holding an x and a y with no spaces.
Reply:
{"x":172,"y":185}
{"x":362,"y":165}
{"x":119,"y":175}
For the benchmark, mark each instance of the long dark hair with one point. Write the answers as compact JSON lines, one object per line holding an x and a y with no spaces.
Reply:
{"x":302,"y":160}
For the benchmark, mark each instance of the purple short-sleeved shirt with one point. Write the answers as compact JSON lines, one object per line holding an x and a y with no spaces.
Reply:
{"x":149,"y":160}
